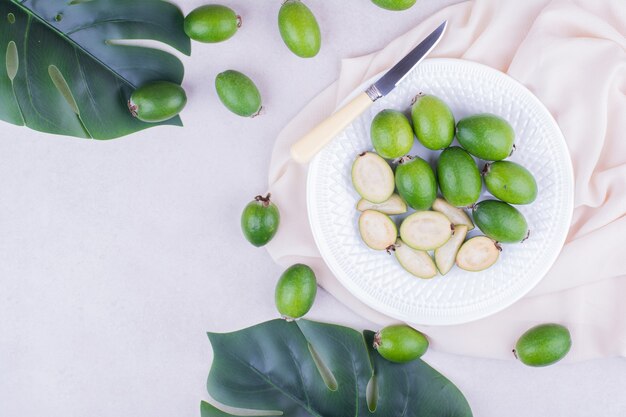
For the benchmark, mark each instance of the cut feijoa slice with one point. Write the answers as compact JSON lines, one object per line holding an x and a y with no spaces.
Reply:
{"x":445,"y":256}
{"x":456,"y":215}
{"x":426,"y":230}
{"x":417,"y":262}
{"x":478,"y":254}
{"x":395,"y":205}
{"x":372,"y":177}
{"x":377,"y":230}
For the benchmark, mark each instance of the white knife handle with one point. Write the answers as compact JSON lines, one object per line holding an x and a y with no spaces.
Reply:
{"x":310,"y":144}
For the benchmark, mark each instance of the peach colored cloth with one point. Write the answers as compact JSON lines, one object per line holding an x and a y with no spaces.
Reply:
{"x":572,"y":56}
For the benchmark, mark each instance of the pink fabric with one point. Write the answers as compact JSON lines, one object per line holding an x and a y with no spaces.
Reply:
{"x":572,"y":56}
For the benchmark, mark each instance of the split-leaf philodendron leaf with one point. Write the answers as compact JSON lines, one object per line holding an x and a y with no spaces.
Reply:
{"x":66,"y":69}
{"x":306,"y":368}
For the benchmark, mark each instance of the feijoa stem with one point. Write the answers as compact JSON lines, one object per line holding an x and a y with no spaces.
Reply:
{"x":486,"y":169}
{"x":405,"y":159}
{"x":239,"y":21}
{"x":265,"y":200}
{"x":377,"y":340}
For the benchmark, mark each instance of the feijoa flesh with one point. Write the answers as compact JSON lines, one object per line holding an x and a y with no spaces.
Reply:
{"x":478,"y":254}
{"x":372,"y":177}
{"x":299,"y":29}
{"x":400,"y":343}
{"x":426,"y":230}
{"x":543,"y":345}
{"x":416,"y":262}
{"x":459,"y":177}
{"x":238,"y":93}
{"x":157,"y":101}
{"x":296,"y":291}
{"x":445,"y":256}
{"x":457,"y":215}
{"x":392,"y":134}
{"x":510,"y":182}
{"x":500,"y":221}
{"x":394,"y":205}
{"x":486,"y":136}
{"x":260,"y":220}
{"x":416,"y":182}
{"x":377,"y":230}
{"x":433,"y":122}
{"x":395,"y":5}
{"x":212,"y":23}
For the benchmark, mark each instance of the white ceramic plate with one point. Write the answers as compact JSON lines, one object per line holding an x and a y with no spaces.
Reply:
{"x":375,"y":277}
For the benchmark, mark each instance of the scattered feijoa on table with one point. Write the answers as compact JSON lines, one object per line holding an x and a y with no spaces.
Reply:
{"x":457,"y":215}
{"x":543,"y":345}
{"x":377,"y":230}
{"x":394,"y":205}
{"x":299,"y":29}
{"x":426,"y":230}
{"x":296,"y":291}
{"x":445,"y":256}
{"x":416,"y":262}
{"x":459,"y":177}
{"x":510,"y":182}
{"x":372,"y":177}
{"x":477,"y":254}
{"x":400,"y":343}
{"x":433,"y":122}
{"x":395,"y":5}
{"x":157,"y":101}
{"x":260,"y":220}
{"x":416,"y":182}
{"x":238,"y":93}
{"x":212,"y":23}
{"x":500,"y":221}
{"x":486,"y":136}
{"x":392,"y":134}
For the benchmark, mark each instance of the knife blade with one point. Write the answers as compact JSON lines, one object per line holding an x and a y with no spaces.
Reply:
{"x":310,"y":144}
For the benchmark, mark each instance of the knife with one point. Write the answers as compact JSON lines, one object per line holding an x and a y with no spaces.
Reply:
{"x":310,"y":144}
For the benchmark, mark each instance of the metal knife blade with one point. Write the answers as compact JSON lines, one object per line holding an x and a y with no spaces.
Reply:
{"x":395,"y":75}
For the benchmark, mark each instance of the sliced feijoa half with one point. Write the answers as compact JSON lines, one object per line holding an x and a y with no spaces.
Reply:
{"x":478,"y":254}
{"x":377,"y":230}
{"x":445,"y":256}
{"x":416,"y":262}
{"x":372,"y":177}
{"x":456,"y":215}
{"x":395,"y":205}
{"x":426,"y":230}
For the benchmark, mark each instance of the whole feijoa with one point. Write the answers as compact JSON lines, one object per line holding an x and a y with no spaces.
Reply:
{"x":543,"y":345}
{"x":486,"y":136}
{"x":157,"y":101}
{"x":260,"y":220}
{"x":510,"y":182}
{"x":296,"y":291}
{"x":212,"y":23}
{"x":400,"y":343}
{"x":238,"y":93}
{"x":395,"y":5}
{"x":433,"y":122}
{"x":459,"y":177}
{"x":500,"y":221}
{"x":416,"y":183}
{"x":392,"y":134}
{"x":299,"y":29}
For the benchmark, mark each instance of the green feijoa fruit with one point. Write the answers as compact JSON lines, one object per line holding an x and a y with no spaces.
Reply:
{"x":395,"y":5}
{"x":486,"y":136}
{"x":426,"y":230}
{"x":372,"y":177}
{"x":157,"y":101}
{"x":296,"y":291}
{"x":212,"y":23}
{"x":543,"y":345}
{"x":392,"y":135}
{"x":260,"y":220}
{"x":459,"y":177}
{"x":510,"y":182}
{"x":478,"y":254}
{"x":416,"y":182}
{"x":400,"y":343}
{"x":433,"y":122}
{"x":500,"y":221}
{"x":238,"y":93}
{"x":377,"y":230}
{"x":299,"y":29}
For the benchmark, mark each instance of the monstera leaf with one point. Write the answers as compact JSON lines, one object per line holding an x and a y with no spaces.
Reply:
{"x":67,"y":69}
{"x":306,"y":368}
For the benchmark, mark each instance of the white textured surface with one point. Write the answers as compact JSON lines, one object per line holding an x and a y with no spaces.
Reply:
{"x":116,"y":257}
{"x":459,"y":296}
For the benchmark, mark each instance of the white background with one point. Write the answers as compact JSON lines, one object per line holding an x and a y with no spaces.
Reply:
{"x":116,"y":257}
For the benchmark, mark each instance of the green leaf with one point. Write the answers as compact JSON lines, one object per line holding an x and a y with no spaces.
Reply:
{"x":65,"y":71}
{"x":282,"y":368}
